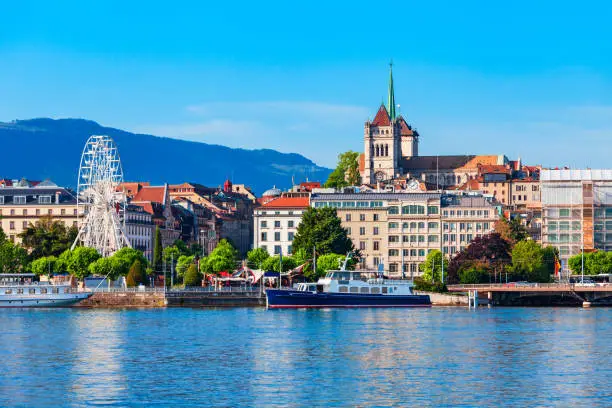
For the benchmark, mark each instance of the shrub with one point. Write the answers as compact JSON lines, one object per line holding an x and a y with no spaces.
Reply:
{"x":427,"y":286}
{"x":192,"y":276}
{"x":136,"y":275}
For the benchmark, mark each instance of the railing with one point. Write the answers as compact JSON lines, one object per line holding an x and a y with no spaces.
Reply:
{"x":513,"y":285}
{"x":106,"y":289}
{"x":222,"y":289}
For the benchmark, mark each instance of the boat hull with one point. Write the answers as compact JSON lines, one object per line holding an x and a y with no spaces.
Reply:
{"x":55,"y":300}
{"x":293,"y":299}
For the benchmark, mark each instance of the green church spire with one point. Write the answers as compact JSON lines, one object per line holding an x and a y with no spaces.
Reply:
{"x":391,"y":102}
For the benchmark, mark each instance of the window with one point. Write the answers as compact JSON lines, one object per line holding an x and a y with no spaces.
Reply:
{"x":564,"y":212}
{"x":375,"y":231}
{"x":432,"y":238}
{"x":421,"y":225}
{"x":12,"y":225}
{"x":290,"y":236}
{"x":361,"y":217}
{"x":393,"y":252}
{"x":421,"y":238}
{"x":263,"y":224}
{"x":393,"y":210}
{"x":343,"y":289}
{"x":393,"y":225}
{"x":347,"y":217}
{"x":264,"y":247}
{"x":364,"y":289}
{"x":421,"y":252}
{"x":74,"y":212}
{"x":349,"y":231}
{"x":375,"y":290}
{"x":361,"y":230}
{"x":375,"y":217}
{"x":277,"y":249}
{"x":24,"y":212}
{"x":277,"y":236}
{"x":25,"y":225}
{"x":393,"y":238}
{"x":19,"y":199}
{"x":432,"y":225}
{"x":432,"y":209}
{"x":277,"y":224}
{"x":376,"y":245}
{"x":38,"y":211}
{"x":362,"y":246}
{"x":1,"y":199}
{"x":290,"y":224}
{"x":44,"y":199}
{"x":264,"y":236}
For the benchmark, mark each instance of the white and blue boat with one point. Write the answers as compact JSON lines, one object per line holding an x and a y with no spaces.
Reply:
{"x":348,"y":289}
{"x":21,"y":290}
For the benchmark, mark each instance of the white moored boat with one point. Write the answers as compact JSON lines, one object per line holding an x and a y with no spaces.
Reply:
{"x":20,"y":290}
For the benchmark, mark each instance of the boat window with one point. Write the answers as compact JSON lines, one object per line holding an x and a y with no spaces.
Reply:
{"x":343,"y":289}
{"x":345,"y":275}
{"x":32,"y":291}
{"x":384,"y":289}
{"x":365,"y":290}
{"x":375,"y":289}
{"x":43,"y":290}
{"x":8,"y":292}
{"x":19,"y":291}
{"x":390,"y":290}
{"x":312,"y":288}
{"x":354,"y":289}
{"x":55,"y":290}
{"x":356,"y":275}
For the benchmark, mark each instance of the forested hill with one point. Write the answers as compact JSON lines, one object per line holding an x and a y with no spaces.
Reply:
{"x":46,"y":148}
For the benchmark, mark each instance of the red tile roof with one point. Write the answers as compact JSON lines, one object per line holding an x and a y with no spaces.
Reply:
{"x":382,"y":117}
{"x":288,"y":202}
{"x":494,"y":169}
{"x":150,"y":193}
{"x":405,"y":129}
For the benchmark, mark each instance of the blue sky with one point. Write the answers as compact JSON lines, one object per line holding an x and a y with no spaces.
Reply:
{"x":524,"y":78}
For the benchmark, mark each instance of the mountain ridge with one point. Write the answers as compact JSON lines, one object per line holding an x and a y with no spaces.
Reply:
{"x":144,"y":157}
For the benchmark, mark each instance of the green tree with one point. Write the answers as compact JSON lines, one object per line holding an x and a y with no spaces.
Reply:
{"x":2,"y":235}
{"x":328,"y":262}
{"x":474,"y":273}
{"x":47,"y":237}
{"x":192,"y":276}
{"x":171,"y":254}
{"x":512,"y":231}
{"x":13,"y":258}
{"x":44,"y":266}
{"x":182,"y":247}
{"x":126,"y":257}
{"x":136,"y":275}
{"x":273,"y":264}
{"x":183,"y":263}
{"x":346,"y":172}
{"x":528,"y":261}
{"x":157,"y":250}
{"x":432,"y":267}
{"x":594,"y":263}
{"x":322,"y":228}
{"x":111,"y":268}
{"x":77,"y":262}
{"x":257,"y":257}
{"x":222,"y":258}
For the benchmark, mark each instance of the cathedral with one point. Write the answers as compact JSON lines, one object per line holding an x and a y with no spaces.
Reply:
{"x":391,"y":153}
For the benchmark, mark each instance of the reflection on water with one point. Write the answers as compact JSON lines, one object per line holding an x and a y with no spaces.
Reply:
{"x":253,"y":357}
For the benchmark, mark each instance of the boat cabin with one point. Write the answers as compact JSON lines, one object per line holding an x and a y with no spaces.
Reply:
{"x":358,"y":282}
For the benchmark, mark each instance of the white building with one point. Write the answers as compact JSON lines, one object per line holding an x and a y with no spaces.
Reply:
{"x":577,"y":210}
{"x":276,"y":222}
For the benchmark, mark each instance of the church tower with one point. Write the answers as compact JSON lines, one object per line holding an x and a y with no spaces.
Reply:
{"x":387,"y":139}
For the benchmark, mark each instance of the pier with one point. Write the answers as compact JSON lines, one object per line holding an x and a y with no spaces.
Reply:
{"x":540,"y":294}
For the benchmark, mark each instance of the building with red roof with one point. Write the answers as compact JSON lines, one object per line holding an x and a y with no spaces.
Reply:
{"x":276,"y":222}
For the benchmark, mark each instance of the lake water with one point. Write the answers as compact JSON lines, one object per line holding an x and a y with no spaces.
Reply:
{"x":254,"y":357}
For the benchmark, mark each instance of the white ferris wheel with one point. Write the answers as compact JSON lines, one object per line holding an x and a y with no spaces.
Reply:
{"x":100,"y":174}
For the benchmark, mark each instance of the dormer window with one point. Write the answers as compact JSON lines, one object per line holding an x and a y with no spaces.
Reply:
{"x":1,"y":199}
{"x":19,"y":199}
{"x":44,"y":199}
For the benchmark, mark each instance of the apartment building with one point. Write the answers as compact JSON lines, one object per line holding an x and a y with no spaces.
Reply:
{"x":276,"y":221}
{"x":394,"y":229}
{"x":465,"y":218}
{"x":577,"y":210}
{"x":24,"y":202}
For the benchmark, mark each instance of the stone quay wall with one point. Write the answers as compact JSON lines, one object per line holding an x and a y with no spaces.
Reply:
{"x":445,"y":299}
{"x":124,"y":299}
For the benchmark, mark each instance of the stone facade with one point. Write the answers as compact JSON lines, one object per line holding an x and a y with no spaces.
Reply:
{"x":23,"y":203}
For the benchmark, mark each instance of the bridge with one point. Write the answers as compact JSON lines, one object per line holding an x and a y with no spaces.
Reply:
{"x":542,"y":294}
